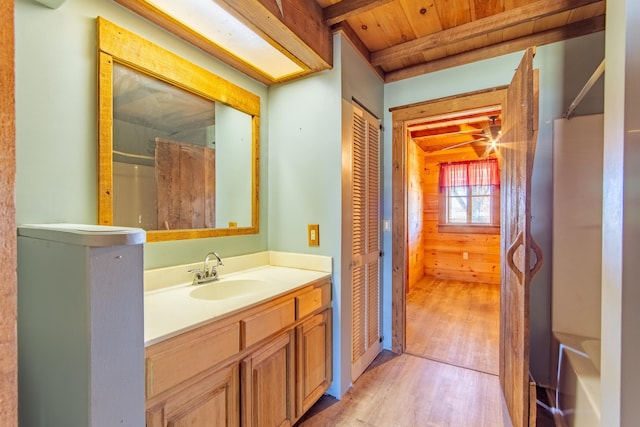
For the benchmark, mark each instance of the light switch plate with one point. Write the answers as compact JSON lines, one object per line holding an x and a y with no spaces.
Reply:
{"x":313,"y":234}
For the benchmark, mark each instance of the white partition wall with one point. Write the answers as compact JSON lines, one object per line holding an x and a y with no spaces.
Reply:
{"x":80,"y":326}
{"x":577,"y":225}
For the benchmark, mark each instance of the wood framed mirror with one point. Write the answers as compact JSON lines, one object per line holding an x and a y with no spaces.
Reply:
{"x":178,"y":146}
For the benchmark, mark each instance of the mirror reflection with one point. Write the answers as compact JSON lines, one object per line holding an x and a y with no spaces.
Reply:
{"x":180,"y":161}
{"x":178,"y":146}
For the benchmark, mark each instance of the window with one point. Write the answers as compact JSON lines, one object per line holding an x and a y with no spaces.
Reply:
{"x":470,"y":197}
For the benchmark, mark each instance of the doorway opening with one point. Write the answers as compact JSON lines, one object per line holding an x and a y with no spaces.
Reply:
{"x":430,"y":253}
{"x":453,"y":238}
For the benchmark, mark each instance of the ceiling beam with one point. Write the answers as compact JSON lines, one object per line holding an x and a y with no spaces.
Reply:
{"x":299,"y":29}
{"x":577,"y":29}
{"x":528,"y":13}
{"x":345,"y":9}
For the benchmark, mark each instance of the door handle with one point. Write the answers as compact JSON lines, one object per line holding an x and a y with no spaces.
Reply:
{"x":538,"y":252}
{"x":510,"y":252}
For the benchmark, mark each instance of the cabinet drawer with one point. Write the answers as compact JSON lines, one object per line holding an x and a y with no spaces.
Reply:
{"x":311,"y":301}
{"x":267,"y":322}
{"x":182,"y":360}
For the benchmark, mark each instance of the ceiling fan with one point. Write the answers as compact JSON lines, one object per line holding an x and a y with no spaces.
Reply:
{"x":485,"y":138}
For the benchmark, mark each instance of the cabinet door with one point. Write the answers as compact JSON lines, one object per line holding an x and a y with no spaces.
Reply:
{"x":267,"y":384}
{"x":314,"y":368}
{"x":213,"y":401}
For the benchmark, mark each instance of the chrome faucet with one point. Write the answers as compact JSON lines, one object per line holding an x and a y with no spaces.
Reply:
{"x":206,"y":274}
{"x":213,"y":272}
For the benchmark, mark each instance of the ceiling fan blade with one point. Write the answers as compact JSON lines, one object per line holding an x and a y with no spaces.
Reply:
{"x":482,"y":150}
{"x":464,"y":143}
{"x":457,"y":145}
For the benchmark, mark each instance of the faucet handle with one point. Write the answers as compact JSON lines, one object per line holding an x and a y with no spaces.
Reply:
{"x":197,"y":277}
{"x":197,"y":271}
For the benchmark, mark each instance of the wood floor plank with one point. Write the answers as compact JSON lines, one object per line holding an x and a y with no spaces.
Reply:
{"x":408,"y":391}
{"x":455,"y":322}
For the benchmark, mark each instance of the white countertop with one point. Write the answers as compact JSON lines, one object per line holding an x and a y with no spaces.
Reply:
{"x":170,"y":311}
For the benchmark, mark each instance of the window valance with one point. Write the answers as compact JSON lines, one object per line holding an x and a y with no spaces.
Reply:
{"x":469,"y":173}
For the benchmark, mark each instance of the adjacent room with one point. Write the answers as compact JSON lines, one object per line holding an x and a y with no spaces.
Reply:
{"x":453,"y":299}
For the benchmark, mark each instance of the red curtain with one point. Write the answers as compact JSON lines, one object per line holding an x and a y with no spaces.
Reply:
{"x":479,"y":172}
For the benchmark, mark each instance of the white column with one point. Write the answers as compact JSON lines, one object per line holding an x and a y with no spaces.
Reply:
{"x":620,"y":370}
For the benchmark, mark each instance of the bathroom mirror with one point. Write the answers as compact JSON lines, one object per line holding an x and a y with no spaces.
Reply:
{"x":178,"y":146}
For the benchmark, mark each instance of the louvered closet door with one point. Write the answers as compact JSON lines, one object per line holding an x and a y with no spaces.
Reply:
{"x":365,"y":241}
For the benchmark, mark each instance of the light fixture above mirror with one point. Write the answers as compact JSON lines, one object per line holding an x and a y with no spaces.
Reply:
{"x":263,"y":43}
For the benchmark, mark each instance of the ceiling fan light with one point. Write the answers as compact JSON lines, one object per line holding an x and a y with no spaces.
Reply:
{"x":495,"y":131}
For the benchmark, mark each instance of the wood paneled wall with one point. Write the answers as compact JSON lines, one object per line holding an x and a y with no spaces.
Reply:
{"x":415,"y":202}
{"x":8,"y":287}
{"x":442,"y":253}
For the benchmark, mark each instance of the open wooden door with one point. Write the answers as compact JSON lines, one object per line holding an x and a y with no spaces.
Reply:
{"x":520,"y":122}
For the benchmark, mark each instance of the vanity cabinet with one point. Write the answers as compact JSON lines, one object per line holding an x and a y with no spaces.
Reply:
{"x":268,"y":384}
{"x":213,"y":401}
{"x":314,"y":363}
{"x":264,"y":365}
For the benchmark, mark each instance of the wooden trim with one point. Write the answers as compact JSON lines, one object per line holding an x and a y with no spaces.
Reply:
{"x":400,"y":115}
{"x":570,"y":31}
{"x":345,"y":295}
{"x":130,"y":49}
{"x":105,"y":139}
{"x":469,"y":229}
{"x":255,"y":171}
{"x":449,"y":104}
{"x":8,"y":264}
{"x":480,"y":27}
{"x":399,"y":268}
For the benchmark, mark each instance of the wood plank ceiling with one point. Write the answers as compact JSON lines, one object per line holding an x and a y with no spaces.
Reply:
{"x":399,"y":38}
{"x":407,"y":38}
{"x":478,"y":129}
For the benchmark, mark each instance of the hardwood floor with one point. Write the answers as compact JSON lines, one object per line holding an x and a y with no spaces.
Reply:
{"x":450,"y":380}
{"x":455,"y":322}
{"x":410,"y":391}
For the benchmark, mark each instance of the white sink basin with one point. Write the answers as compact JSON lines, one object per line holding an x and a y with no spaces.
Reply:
{"x":226,"y":289}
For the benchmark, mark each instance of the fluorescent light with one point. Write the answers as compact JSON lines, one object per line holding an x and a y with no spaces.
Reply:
{"x":214,"y":23}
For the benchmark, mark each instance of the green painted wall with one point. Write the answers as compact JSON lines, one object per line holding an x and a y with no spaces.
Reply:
{"x":56,"y":120}
{"x":310,"y":118}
